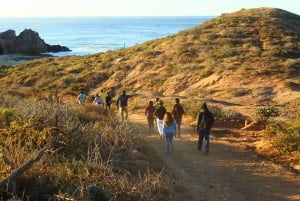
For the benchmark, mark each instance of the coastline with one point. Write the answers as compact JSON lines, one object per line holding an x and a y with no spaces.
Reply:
{"x":89,"y":35}
{"x":14,"y":59}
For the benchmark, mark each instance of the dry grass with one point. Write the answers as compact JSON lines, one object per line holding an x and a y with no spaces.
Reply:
{"x":250,"y":57}
{"x":87,"y":148}
{"x":237,"y":44}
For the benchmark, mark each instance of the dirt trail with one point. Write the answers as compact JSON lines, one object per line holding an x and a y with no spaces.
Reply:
{"x":228,"y":172}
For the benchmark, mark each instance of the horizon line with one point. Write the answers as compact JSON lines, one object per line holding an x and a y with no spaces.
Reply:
{"x":82,"y":16}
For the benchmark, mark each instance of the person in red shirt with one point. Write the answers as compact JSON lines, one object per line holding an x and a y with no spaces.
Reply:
{"x":149,"y":111}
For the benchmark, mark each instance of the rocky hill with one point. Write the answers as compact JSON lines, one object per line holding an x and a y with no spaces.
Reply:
{"x":251,"y":56}
{"x":28,"y":42}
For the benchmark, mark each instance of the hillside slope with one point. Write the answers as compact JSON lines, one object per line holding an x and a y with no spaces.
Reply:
{"x":251,"y":56}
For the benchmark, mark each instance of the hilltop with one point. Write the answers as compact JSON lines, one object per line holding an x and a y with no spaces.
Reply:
{"x":243,"y":58}
{"x":235,"y":61}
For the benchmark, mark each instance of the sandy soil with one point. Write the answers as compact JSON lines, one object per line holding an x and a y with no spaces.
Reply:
{"x":231,"y":171}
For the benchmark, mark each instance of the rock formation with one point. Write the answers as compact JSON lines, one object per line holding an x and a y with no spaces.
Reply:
{"x":28,"y":43}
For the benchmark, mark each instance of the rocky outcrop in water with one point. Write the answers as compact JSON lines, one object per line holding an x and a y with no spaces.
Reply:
{"x":28,"y":42}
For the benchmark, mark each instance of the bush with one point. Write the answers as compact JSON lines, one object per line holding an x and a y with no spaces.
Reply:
{"x":193,"y":109}
{"x":6,"y":115}
{"x":263,"y":113}
{"x":285,"y":137}
{"x":84,"y":144}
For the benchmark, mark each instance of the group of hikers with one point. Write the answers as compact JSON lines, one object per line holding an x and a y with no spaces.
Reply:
{"x":168,"y":123}
{"x":102,"y":99}
{"x":105,"y":100}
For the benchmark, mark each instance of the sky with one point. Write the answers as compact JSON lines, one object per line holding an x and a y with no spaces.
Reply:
{"x":52,"y":8}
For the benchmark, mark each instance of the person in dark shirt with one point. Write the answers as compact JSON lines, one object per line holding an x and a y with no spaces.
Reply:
{"x":177,"y":113}
{"x":159,"y":114}
{"x":205,"y":121}
{"x":108,"y":100}
{"x":122,"y":104}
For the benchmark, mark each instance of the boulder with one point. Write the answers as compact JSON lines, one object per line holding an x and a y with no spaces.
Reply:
{"x":28,"y":43}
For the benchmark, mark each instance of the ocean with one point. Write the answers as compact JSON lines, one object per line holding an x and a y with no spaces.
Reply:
{"x":89,"y":35}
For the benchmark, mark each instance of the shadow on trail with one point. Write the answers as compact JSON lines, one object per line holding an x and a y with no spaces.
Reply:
{"x":225,"y":103}
{"x":226,"y":173}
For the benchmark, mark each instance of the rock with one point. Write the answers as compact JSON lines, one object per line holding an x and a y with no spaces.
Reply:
{"x":96,"y":193}
{"x":28,"y":43}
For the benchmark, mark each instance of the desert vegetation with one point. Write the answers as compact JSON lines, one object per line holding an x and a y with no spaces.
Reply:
{"x":85,"y":153}
{"x":245,"y":64}
{"x":250,"y":48}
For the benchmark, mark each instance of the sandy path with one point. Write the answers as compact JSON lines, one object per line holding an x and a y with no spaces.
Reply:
{"x":228,"y":172}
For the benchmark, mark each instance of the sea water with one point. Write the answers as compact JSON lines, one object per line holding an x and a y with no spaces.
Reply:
{"x":89,"y":35}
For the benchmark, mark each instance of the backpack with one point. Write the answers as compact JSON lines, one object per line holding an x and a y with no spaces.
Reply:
{"x":207,"y":120}
{"x":178,"y":110}
{"x":160,"y":112}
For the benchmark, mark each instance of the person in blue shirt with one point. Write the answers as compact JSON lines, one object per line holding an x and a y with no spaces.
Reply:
{"x":81,"y":97}
{"x":122,"y":104}
{"x":169,"y":130}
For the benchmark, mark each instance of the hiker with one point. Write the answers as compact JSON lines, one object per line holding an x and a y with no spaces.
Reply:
{"x":108,"y":100}
{"x":122,"y":104}
{"x":205,"y":121}
{"x":169,"y":130}
{"x":149,"y":111}
{"x":177,"y":113}
{"x":98,"y":100}
{"x":81,"y":97}
{"x":156,"y":104}
{"x":103,"y":96}
{"x":159,"y":114}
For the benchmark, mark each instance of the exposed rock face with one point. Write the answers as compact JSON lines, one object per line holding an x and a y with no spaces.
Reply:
{"x":27,"y":43}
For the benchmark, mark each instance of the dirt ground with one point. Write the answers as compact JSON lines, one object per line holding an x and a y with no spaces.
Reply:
{"x":231,"y":171}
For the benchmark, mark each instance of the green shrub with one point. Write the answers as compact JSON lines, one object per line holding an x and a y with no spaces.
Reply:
{"x":285,"y":137}
{"x":6,"y":115}
{"x":193,"y":109}
{"x":263,"y":113}
{"x":224,"y":113}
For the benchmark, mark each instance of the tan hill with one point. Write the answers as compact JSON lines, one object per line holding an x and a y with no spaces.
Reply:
{"x":251,"y":56}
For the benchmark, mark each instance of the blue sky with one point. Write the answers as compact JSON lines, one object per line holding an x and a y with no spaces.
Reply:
{"x":29,"y":8}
